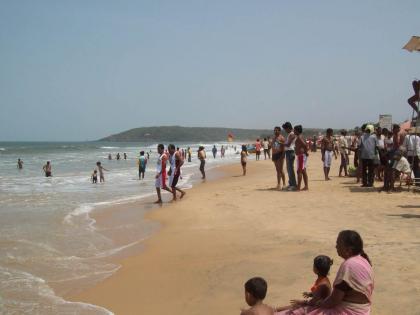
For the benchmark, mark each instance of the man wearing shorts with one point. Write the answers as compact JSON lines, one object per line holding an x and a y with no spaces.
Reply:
{"x":327,"y":152}
{"x":176,"y":161}
{"x":160,"y":177}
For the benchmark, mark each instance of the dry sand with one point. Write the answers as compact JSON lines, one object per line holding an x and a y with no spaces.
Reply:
{"x":226,"y":231}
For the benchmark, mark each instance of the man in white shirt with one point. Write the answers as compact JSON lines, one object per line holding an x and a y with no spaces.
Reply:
{"x":411,"y":146}
{"x":368,"y":144}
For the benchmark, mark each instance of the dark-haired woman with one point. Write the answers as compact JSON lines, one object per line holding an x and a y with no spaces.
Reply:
{"x":353,"y":285}
{"x":277,"y":155}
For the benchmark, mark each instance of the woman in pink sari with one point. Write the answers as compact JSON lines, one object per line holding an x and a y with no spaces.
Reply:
{"x":353,"y":285}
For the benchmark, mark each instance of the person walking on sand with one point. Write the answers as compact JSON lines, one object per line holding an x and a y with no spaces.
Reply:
{"x":266,"y":150}
{"x":214,"y":151}
{"x":176,"y":161}
{"x":277,"y":156}
{"x":290,"y":155}
{"x":342,"y":148}
{"x":202,"y":157}
{"x":47,"y":169}
{"x":257,"y":149}
{"x":160,"y":176}
{"x":301,"y":150}
{"x":101,"y":170}
{"x":244,"y":154}
{"x":19,"y":164}
{"x":142,"y":165}
{"x":222,"y":152}
{"x":327,"y":151}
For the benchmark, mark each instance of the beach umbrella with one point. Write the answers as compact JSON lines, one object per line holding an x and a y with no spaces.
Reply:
{"x":413,"y":44}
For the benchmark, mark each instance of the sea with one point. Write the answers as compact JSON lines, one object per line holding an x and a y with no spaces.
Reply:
{"x":48,"y":238}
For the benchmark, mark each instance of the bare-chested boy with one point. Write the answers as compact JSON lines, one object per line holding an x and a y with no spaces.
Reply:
{"x":176,"y":161}
{"x":327,"y":151}
{"x":301,"y":150}
{"x":255,"y":291}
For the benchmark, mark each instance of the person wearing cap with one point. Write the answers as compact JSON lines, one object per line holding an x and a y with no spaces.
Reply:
{"x":368,"y":144}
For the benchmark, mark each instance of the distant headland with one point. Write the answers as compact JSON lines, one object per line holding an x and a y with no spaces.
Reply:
{"x":193,"y":134}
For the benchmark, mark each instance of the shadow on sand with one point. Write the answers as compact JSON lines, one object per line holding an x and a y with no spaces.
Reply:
{"x":268,"y":189}
{"x":405,"y":215}
{"x":410,"y":206}
{"x":362,"y":189}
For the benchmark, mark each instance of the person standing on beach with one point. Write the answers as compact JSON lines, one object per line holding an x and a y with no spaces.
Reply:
{"x":94,"y":176}
{"x":214,"y":151}
{"x":222,"y":152}
{"x":125,"y":156}
{"x":47,"y":169}
{"x":189,"y":152}
{"x":369,"y":146}
{"x":257,"y":150}
{"x":342,"y":148}
{"x":160,"y":176}
{"x":290,"y":155}
{"x":118,"y":156}
{"x":266,"y":150}
{"x":301,"y":150}
{"x":19,"y":164}
{"x":142,"y":165}
{"x":327,"y":151}
{"x":277,"y":156}
{"x":176,"y":161}
{"x":411,"y":147}
{"x":202,"y":157}
{"x":244,"y":154}
{"x":101,"y":170}
{"x":109,"y":157}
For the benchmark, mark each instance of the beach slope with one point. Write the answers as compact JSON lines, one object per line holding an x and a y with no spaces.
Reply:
{"x":226,"y":231}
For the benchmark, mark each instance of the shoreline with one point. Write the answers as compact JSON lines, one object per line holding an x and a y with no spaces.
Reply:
{"x":236,"y":227}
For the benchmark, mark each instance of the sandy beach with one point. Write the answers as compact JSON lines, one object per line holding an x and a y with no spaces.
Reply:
{"x":227,"y":230}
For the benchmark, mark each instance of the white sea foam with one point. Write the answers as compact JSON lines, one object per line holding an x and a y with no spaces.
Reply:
{"x":47,"y":228}
{"x":47,"y":302}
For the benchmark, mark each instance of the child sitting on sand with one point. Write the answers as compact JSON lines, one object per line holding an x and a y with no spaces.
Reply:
{"x":255,"y":291}
{"x":244,"y":154}
{"x":321,"y":288}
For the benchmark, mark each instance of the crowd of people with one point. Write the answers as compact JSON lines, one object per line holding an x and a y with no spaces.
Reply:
{"x":381,"y":155}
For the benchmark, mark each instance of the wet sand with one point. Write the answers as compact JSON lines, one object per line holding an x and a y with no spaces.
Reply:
{"x":228,"y":230}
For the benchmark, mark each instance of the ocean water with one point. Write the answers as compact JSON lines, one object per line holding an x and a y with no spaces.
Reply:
{"x":47,"y":237}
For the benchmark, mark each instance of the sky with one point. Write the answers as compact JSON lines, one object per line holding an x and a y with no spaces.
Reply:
{"x":81,"y":70}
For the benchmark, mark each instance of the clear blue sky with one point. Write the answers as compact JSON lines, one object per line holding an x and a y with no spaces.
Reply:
{"x":81,"y":70}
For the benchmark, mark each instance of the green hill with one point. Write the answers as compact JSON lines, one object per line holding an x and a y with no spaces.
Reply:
{"x":191,"y":134}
